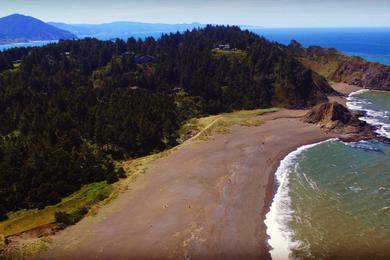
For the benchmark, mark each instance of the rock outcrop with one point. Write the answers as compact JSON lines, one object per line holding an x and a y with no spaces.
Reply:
{"x":336,"y":118}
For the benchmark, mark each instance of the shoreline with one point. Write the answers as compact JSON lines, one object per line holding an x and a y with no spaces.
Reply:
{"x":280,"y":248}
{"x":271,"y":217}
{"x":228,"y":181}
{"x":206,"y":200}
{"x":277,"y":218}
{"x":274,"y":186}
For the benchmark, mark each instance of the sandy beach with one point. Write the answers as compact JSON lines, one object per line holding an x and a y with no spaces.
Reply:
{"x":208,"y":199}
{"x":345,"y":90}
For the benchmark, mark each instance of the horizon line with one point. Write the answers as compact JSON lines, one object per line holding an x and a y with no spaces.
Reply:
{"x":210,"y":23}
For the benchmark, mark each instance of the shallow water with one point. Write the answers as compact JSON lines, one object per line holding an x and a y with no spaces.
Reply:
{"x":334,"y":198}
{"x":340,"y":199}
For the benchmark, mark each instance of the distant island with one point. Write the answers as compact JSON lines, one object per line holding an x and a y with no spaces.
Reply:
{"x":20,"y":28}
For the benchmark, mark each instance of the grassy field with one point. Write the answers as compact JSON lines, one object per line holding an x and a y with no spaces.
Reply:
{"x":25,"y":220}
{"x":203,"y":128}
{"x":233,"y":55}
{"x":325,"y":68}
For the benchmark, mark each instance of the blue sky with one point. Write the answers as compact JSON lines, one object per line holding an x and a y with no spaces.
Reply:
{"x":267,"y":13}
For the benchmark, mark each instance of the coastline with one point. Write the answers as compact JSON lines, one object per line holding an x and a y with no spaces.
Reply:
{"x":206,"y":200}
{"x":278,"y":235}
{"x":216,"y":209}
{"x":279,"y":213}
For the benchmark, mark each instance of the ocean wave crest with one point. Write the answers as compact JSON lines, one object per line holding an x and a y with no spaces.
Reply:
{"x":372,"y":117}
{"x":278,"y":218}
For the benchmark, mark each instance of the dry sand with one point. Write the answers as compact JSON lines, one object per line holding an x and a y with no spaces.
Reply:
{"x":206,"y":200}
{"x":344,"y":89}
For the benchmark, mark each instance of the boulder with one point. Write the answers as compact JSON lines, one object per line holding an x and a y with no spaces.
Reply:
{"x":331,"y":113}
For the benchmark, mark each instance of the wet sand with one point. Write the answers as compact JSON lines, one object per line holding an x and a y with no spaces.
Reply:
{"x":206,"y":200}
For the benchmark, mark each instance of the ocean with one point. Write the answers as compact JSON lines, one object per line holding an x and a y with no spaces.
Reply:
{"x":333,"y":199}
{"x":25,"y":44}
{"x":372,"y":44}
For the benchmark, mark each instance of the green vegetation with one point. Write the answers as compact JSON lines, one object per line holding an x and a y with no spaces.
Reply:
{"x":231,"y":55}
{"x":72,"y":218}
{"x":22,"y":249}
{"x":203,"y":128}
{"x":72,"y":109}
{"x":33,"y":248}
{"x":338,"y":67}
{"x":25,"y":220}
{"x":324,"y":67}
{"x":16,"y":65}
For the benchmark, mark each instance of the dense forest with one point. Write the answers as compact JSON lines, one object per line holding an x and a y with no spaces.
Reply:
{"x":68,"y":110}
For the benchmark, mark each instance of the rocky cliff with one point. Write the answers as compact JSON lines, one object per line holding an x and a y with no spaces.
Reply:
{"x":335,"y":117}
{"x":336,"y":66}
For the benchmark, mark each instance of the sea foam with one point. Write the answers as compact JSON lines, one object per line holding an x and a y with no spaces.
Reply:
{"x":280,"y":214}
{"x":372,"y":117}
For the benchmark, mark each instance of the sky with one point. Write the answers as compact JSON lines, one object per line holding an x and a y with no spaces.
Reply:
{"x":266,"y":13}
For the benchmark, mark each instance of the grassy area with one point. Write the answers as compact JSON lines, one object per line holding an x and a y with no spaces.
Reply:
{"x":205,"y":127}
{"x":232,"y":55}
{"x":324,"y":68}
{"x":25,"y":220}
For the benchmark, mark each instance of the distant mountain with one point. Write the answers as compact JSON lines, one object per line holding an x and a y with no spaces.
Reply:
{"x":20,"y":28}
{"x":123,"y":29}
{"x":127,"y":29}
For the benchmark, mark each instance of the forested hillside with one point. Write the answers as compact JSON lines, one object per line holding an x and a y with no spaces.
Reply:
{"x":68,"y":110}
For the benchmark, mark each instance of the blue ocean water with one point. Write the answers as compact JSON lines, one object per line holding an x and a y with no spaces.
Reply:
{"x":25,"y":44}
{"x":372,"y":44}
{"x":333,"y":199}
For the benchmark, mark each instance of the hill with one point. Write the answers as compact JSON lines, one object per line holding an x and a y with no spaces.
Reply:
{"x":338,"y":67}
{"x":20,"y":28}
{"x":69,"y":109}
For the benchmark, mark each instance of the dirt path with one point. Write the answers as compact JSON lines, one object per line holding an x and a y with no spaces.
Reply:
{"x":205,"y":200}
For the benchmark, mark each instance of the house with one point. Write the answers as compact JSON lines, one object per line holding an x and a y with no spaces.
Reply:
{"x":224,"y":47}
{"x":67,"y":53}
{"x":128,"y":53}
{"x":144,"y":59}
